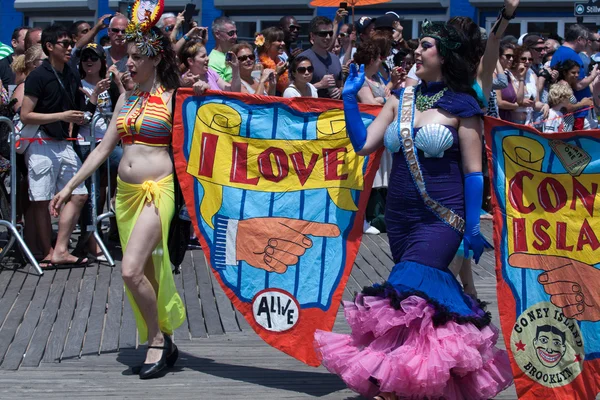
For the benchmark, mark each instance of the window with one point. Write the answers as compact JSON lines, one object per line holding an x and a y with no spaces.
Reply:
{"x":591,"y":26}
{"x":543,"y":28}
{"x":246,"y":31}
{"x":513,"y":29}
{"x":407,"y":32}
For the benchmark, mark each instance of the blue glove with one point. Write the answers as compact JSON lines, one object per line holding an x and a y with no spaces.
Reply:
{"x":473,"y":239}
{"x":354,"y":124}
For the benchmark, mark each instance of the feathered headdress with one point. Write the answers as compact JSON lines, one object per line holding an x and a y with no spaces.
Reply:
{"x":144,"y":15}
{"x":447,"y":36}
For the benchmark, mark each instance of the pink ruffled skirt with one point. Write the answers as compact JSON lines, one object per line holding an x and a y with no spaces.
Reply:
{"x":401,"y":351}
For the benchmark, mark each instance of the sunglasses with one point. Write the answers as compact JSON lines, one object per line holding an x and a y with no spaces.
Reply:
{"x":90,"y":57}
{"x":324,"y":34}
{"x":509,"y":56}
{"x":169,"y":28}
{"x":342,"y":34}
{"x":525,"y":59}
{"x":115,"y":30}
{"x":303,"y":70}
{"x":294,"y":28}
{"x":538,"y":49}
{"x":248,"y":57}
{"x":66,"y":43}
{"x":231,"y":33}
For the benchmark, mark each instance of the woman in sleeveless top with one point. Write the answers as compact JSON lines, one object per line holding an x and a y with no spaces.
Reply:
{"x":145,"y":193}
{"x":265,"y":85}
{"x":418,"y":335}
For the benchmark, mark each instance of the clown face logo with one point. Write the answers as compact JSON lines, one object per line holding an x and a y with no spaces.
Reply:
{"x":547,"y":346}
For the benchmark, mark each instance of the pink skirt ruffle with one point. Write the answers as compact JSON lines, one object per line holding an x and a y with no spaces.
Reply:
{"x":401,"y":351}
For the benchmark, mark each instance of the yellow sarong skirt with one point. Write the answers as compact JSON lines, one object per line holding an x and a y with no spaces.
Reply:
{"x":131,"y":199}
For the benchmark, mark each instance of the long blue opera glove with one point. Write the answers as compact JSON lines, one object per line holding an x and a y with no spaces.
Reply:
{"x":473,"y":239}
{"x":354,"y":124}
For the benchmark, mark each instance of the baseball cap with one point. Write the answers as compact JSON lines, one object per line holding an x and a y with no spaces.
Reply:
{"x":386,"y":22}
{"x":363,"y":23}
{"x":96,"y":48}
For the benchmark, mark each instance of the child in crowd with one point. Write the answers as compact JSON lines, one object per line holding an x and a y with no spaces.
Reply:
{"x":558,"y":98}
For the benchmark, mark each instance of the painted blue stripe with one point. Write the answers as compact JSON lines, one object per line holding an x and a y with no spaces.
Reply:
{"x":275,"y":121}
{"x":304,"y":129}
{"x":239,"y":277}
{"x":301,"y":217}
{"x":248,"y":125}
{"x":550,"y":161}
{"x":323,"y":252}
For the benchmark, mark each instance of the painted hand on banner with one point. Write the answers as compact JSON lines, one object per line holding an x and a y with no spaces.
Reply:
{"x":273,"y":244}
{"x":572,"y":285}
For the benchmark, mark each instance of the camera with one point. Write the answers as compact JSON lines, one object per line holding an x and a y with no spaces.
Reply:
{"x":593,"y":62}
{"x":544,"y":73}
{"x":87,"y":117}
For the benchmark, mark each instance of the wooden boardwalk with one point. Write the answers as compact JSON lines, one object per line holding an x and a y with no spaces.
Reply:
{"x":71,"y":334}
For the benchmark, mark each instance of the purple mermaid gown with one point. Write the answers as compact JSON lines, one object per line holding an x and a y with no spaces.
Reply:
{"x":418,"y":335}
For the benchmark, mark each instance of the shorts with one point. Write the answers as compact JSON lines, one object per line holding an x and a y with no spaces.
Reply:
{"x":50,"y":166}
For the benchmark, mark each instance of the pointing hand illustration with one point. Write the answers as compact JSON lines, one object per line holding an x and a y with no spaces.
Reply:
{"x":572,"y":285}
{"x":273,"y":244}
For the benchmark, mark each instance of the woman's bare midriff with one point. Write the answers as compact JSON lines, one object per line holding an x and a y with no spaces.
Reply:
{"x":142,"y":163}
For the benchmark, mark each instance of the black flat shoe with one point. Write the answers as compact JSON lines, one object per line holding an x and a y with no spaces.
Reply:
{"x":149,"y":371}
{"x":171,"y":358}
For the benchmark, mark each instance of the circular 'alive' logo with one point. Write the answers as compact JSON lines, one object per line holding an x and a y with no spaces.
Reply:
{"x":547,"y":346}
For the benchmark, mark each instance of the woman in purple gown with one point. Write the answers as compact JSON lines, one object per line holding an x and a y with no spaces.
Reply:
{"x":418,"y":335}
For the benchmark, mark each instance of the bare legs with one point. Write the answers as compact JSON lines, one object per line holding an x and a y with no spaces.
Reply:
{"x":461,"y":266}
{"x":137,"y":261}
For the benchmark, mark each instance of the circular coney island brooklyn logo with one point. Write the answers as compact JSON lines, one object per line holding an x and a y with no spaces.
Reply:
{"x":547,"y":346}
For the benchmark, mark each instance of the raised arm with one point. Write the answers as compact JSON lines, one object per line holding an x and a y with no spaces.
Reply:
{"x":365,"y":141}
{"x":492,"y":48}
{"x":89,"y":37}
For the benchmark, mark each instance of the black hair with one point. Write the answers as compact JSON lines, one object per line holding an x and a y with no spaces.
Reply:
{"x":104,"y":40}
{"x":75,"y":27}
{"x":271,"y":34}
{"x":167,"y":69}
{"x":576,"y":31}
{"x":459,"y":68}
{"x":564,"y":67}
{"x":103,"y":68}
{"x":316,"y":21}
{"x":475,"y":46}
{"x":552,"y":329}
{"x":506,"y":46}
{"x":294,"y":65}
{"x":189,"y":50}
{"x":17,"y":31}
{"x":51,"y":35}
{"x":401,"y":55}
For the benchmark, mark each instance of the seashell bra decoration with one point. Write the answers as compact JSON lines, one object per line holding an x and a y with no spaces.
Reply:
{"x":434,"y":140}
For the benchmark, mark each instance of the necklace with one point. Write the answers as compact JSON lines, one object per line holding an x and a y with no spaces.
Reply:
{"x":425,"y":102}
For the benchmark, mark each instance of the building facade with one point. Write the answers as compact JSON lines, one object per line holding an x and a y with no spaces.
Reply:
{"x":541,"y":16}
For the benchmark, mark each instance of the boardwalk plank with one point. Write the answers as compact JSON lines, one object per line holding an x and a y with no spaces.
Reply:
{"x":56,"y":341}
{"x":42,"y":332}
{"x":207,"y":298}
{"x":128,"y":334}
{"x":192,"y":301}
{"x":93,"y":334}
{"x":383,"y":246}
{"x":5,"y":277}
{"x":371,"y":265}
{"x":226,"y":310}
{"x":382,"y":267}
{"x":11,"y":294}
{"x":110,"y":336}
{"x":243,"y":324}
{"x":183,"y":332}
{"x":82,"y":313}
{"x":358,"y":273}
{"x":26,"y":313}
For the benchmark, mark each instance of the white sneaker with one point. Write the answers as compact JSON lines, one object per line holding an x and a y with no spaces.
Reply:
{"x":370,"y":230}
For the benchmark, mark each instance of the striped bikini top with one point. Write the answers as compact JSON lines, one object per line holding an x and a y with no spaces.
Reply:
{"x":145,"y":119}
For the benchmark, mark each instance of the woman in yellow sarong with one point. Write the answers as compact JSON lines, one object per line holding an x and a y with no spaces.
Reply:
{"x":145,"y":194}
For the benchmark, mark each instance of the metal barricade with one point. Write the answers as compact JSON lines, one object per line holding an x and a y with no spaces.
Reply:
{"x":12,"y":224}
{"x":95,"y":217}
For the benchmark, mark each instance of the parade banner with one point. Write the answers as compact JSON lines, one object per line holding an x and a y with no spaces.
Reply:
{"x":274,"y":188}
{"x":546,"y":234}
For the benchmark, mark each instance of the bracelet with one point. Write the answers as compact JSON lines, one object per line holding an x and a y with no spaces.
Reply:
{"x":506,"y":17}
{"x":186,"y":38}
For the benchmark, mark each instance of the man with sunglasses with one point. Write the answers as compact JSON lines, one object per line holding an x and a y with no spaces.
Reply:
{"x":576,"y":38}
{"x":116,"y":53}
{"x":327,"y":77}
{"x":83,"y":34}
{"x":537,"y":45}
{"x":53,"y":100}
{"x":291,"y":31}
{"x":225,"y":34}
